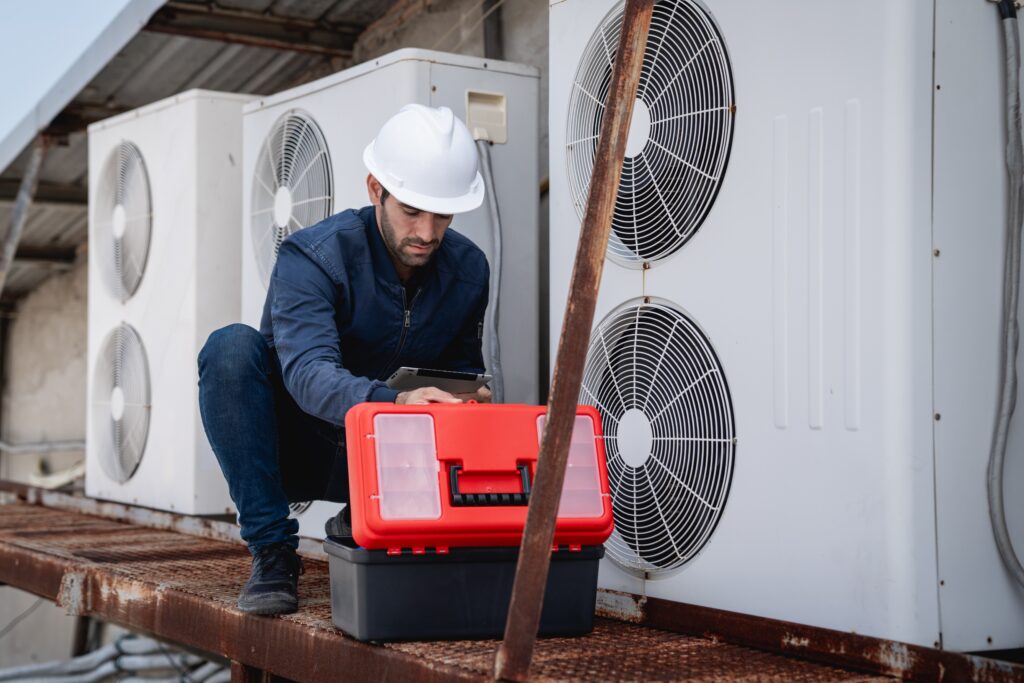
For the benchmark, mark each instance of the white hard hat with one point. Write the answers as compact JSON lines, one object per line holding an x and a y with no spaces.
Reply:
{"x":427,"y":159}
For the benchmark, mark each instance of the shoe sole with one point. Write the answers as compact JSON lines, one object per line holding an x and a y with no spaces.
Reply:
{"x":269,"y":603}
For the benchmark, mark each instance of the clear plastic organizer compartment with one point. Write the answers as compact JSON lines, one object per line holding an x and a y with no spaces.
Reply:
{"x":581,"y":490}
{"x":407,"y":467}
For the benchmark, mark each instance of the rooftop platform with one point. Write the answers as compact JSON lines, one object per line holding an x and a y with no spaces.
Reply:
{"x":182,"y":587}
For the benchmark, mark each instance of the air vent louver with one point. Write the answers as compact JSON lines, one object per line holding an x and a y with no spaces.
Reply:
{"x":680,"y":136}
{"x":123,"y":219}
{"x":121,"y":403}
{"x":670,"y":434}
{"x":292,"y":187}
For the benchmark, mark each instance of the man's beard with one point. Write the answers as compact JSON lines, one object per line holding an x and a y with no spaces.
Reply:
{"x":396,"y":247}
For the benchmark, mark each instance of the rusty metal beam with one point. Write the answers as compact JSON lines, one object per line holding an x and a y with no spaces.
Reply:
{"x":204,"y":527}
{"x":46,"y":193}
{"x":77,"y":116}
{"x":835,"y":648}
{"x":58,"y":256}
{"x":494,"y":43}
{"x":22,"y":202}
{"x":512,"y":660}
{"x":211,"y":22}
{"x":181,"y":589}
{"x":277,"y":646}
{"x":240,"y":673}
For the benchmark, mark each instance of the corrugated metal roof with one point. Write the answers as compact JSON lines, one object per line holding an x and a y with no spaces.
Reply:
{"x":156,"y":64}
{"x":54,"y":72}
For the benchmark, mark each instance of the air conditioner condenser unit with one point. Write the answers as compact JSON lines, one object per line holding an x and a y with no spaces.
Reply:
{"x":164,"y":272}
{"x":796,"y":344}
{"x":303,"y":162}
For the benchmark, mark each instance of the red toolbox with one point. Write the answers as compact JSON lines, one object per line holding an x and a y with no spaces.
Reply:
{"x":438,"y":498}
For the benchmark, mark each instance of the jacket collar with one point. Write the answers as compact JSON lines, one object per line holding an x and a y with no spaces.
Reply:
{"x":382,"y":264}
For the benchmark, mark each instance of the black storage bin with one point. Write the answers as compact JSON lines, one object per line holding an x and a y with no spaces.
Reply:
{"x":462,"y":594}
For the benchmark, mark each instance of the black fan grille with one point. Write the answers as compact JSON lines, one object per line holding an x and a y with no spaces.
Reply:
{"x":294,"y":156}
{"x":649,"y":363}
{"x":668,"y":184}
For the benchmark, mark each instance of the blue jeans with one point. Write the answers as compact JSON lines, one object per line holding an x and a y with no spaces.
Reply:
{"x":270,"y":451}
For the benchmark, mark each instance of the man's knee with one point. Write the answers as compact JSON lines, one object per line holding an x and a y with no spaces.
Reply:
{"x":231,"y":352}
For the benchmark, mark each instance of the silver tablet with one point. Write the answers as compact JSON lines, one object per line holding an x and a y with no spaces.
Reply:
{"x":407,"y":379}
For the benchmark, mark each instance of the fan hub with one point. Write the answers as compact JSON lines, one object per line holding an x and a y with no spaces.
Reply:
{"x":282,"y":206}
{"x":117,"y":404}
{"x":635,"y":437}
{"x":118,"y":222}
{"x":639,"y":129}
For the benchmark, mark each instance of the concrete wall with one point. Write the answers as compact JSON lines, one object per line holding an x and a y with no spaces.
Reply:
{"x":43,"y":400}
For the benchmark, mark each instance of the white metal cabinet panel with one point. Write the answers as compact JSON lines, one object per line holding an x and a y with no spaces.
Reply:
{"x":982,"y":608}
{"x":350,"y":107}
{"x":517,"y":185}
{"x":191,"y":145}
{"x":811,"y":279}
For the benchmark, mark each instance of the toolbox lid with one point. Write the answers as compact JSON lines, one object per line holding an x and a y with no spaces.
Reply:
{"x":447,"y":476}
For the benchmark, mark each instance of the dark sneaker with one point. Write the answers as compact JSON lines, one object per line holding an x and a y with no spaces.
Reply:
{"x":273,"y":585}
{"x":340,"y":524}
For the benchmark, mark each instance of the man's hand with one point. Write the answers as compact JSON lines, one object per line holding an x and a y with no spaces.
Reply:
{"x":424,"y":396}
{"x":482,"y":395}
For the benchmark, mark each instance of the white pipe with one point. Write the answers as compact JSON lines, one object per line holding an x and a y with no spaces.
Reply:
{"x":86,"y":662}
{"x":170,"y":662}
{"x":1011,"y":296}
{"x":41,"y":447}
{"x":492,"y":352}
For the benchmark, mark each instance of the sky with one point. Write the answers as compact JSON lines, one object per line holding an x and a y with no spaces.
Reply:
{"x":39,"y":41}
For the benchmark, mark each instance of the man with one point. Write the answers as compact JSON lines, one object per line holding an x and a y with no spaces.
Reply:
{"x":351,"y":299}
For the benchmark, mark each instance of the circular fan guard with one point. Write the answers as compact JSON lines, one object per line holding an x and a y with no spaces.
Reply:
{"x":121,"y":402}
{"x":680,"y":136}
{"x":669,"y":433}
{"x":123,"y":220}
{"x":292,"y":185}
{"x":299,"y":508}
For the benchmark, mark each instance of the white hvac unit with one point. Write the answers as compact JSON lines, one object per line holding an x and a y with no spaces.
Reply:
{"x":795,"y":351}
{"x":303,"y":162}
{"x":164,"y":272}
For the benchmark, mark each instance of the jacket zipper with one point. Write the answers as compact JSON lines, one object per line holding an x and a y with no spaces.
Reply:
{"x":406,"y":322}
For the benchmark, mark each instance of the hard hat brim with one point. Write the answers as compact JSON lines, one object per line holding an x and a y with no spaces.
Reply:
{"x":440,"y":205}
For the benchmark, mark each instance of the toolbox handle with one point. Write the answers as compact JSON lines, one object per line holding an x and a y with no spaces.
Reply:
{"x":489,"y":499}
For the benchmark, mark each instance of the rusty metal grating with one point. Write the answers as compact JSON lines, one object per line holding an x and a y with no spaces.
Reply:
{"x":152,"y":565}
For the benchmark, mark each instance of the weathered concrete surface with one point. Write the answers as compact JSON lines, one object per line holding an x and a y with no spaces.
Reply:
{"x":45,"y":372}
{"x":43,"y":400}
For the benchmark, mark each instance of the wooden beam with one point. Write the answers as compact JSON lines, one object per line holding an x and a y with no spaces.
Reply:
{"x":512,"y":660}
{"x":211,"y":22}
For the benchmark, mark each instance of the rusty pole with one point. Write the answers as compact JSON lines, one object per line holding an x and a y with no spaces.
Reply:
{"x":512,"y":660}
{"x":22,"y":202}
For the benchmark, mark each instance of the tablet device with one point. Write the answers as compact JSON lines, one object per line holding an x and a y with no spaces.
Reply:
{"x":407,"y":379}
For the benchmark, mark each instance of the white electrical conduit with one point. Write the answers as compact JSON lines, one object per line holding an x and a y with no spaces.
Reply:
{"x":492,"y":350}
{"x":171,"y":663}
{"x":200,"y":675}
{"x":1011,"y":294}
{"x":86,"y":662}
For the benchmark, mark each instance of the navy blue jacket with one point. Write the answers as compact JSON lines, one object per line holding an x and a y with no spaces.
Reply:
{"x":341,"y":320}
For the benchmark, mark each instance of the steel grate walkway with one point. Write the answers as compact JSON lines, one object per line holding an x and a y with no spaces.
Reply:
{"x":183,"y":588}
